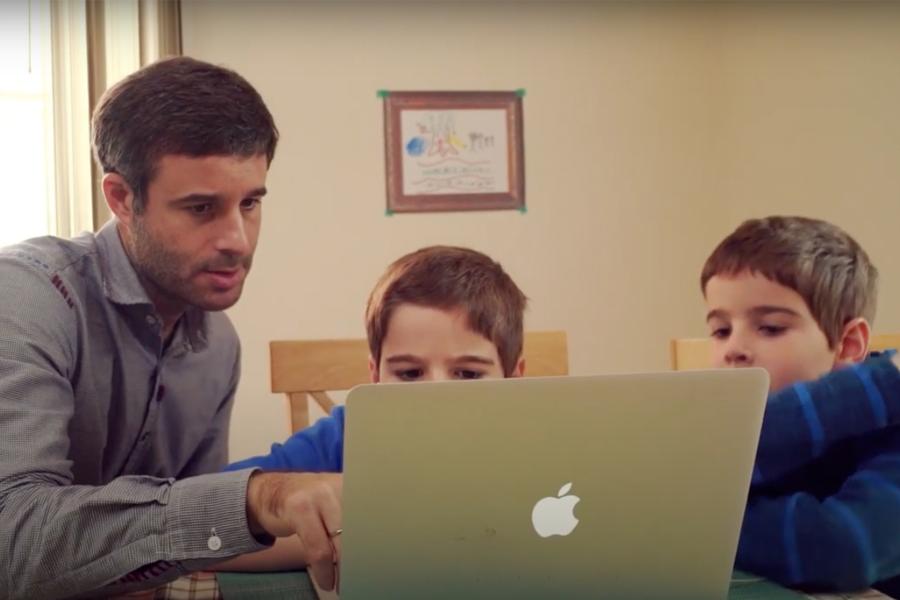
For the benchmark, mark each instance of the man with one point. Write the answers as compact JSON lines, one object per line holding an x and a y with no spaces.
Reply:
{"x":118,"y":373}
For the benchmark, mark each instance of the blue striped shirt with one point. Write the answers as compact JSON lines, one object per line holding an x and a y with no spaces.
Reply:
{"x":824,"y":505}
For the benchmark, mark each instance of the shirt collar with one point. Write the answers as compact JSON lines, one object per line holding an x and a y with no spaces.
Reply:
{"x":122,"y":286}
{"x":120,"y":281}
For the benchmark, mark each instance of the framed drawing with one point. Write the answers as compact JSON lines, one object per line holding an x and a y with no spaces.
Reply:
{"x":449,"y":151}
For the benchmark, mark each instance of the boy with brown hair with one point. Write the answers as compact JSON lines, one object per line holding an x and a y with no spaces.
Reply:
{"x":439,"y":313}
{"x":796,"y":296}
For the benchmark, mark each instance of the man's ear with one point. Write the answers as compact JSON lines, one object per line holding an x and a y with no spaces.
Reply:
{"x":519,"y":370}
{"x":853,"y":346}
{"x":119,"y":197}
{"x":373,"y":371}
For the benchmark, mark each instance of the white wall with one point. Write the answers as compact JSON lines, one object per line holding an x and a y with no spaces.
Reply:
{"x":650,"y":131}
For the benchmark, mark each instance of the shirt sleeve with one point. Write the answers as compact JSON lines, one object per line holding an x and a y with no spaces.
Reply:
{"x":844,"y":542}
{"x":802,"y":421}
{"x":59,"y":539}
{"x":316,"y":449}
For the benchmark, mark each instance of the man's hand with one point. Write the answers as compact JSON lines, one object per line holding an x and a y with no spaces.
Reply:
{"x":307,"y":505}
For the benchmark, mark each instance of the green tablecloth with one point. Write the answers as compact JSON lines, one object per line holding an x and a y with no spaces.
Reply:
{"x":296,"y":585}
{"x":293,"y":585}
{"x":745,"y":586}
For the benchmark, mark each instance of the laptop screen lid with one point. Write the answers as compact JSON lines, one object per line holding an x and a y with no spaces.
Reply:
{"x":622,"y":487}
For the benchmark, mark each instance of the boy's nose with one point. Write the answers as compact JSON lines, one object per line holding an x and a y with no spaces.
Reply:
{"x":738,"y":356}
{"x":439,"y":374}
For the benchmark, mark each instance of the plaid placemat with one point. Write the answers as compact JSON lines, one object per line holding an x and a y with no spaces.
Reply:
{"x":201,"y":585}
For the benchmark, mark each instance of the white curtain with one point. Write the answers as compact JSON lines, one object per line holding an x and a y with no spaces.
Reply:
{"x":27,"y":158}
{"x":96,"y":43}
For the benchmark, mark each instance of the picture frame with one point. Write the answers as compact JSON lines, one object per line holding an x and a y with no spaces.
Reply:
{"x":454,"y":151}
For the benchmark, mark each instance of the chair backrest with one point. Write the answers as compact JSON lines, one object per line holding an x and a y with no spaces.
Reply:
{"x":694,"y":353}
{"x":304,"y":369}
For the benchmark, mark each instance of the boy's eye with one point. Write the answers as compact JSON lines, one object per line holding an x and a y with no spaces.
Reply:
{"x":720,"y":333}
{"x":772,"y":330}
{"x":408,"y":374}
{"x":468,"y":374}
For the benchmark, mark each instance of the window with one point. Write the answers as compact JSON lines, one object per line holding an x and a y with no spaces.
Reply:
{"x":45,"y":149}
{"x":27,"y":200}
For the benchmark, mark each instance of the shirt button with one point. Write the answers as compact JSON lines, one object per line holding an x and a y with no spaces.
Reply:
{"x":151,"y":320}
{"x":214,"y":542}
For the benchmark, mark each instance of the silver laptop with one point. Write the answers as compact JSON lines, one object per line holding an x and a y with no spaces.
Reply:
{"x":626,"y":487}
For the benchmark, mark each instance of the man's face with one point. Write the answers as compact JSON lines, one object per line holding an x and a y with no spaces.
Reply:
{"x":432,"y":344}
{"x":756,"y":322}
{"x":193,"y":244}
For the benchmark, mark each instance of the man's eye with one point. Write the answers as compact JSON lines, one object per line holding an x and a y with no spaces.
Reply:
{"x":250,"y":203}
{"x":408,"y":374}
{"x":200,"y":209}
{"x":468,"y":374}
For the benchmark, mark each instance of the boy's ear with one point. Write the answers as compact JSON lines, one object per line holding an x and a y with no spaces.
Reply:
{"x":853,"y":347}
{"x":373,"y":371}
{"x":119,"y":197}
{"x":519,"y":370}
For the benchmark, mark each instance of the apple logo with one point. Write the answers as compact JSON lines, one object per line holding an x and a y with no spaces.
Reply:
{"x":555,"y":516}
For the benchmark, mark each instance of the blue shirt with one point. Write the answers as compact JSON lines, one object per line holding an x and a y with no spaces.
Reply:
{"x":316,"y":449}
{"x":824,"y":506}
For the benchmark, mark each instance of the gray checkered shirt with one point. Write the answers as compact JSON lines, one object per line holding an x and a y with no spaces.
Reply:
{"x":98,"y":419}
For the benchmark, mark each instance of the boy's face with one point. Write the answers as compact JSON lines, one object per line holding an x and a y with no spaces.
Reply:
{"x":432,"y":344}
{"x":756,"y":322}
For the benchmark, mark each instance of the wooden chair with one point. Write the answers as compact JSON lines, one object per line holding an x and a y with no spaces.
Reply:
{"x":304,"y":369}
{"x":694,"y":353}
